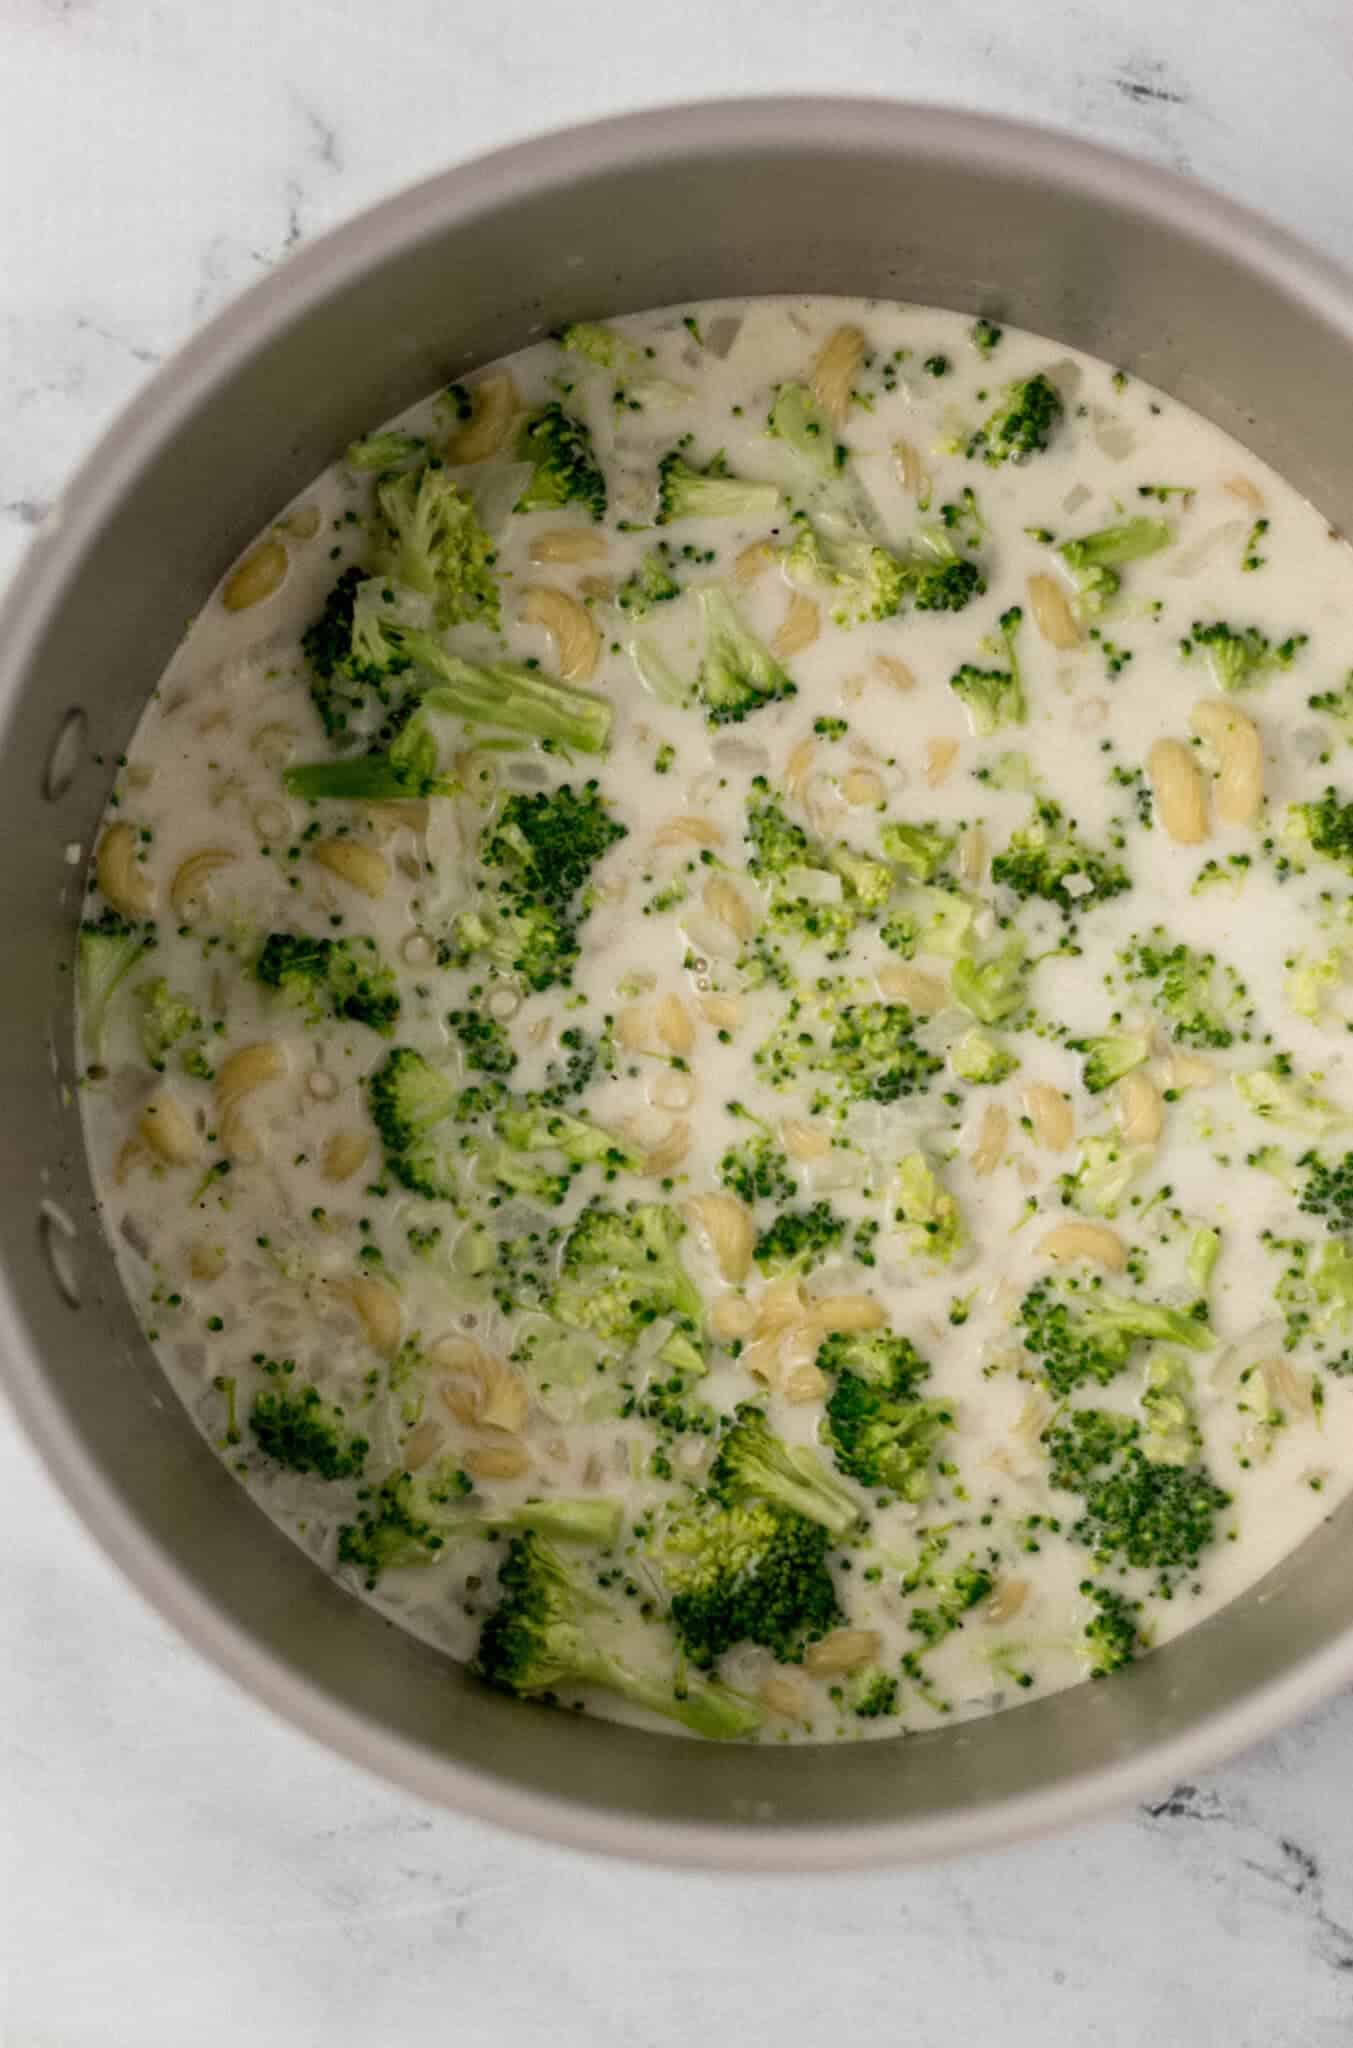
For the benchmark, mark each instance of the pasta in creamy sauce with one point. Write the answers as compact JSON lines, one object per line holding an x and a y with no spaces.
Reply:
{"x":714,"y":1006}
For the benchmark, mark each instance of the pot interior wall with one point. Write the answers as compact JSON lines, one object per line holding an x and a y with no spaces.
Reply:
{"x":847,"y":199}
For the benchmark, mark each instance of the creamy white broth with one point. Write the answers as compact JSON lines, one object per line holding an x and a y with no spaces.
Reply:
{"x":250,"y":1247}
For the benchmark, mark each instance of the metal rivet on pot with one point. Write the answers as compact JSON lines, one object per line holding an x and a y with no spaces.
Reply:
{"x":56,"y":1235}
{"x":64,"y":757}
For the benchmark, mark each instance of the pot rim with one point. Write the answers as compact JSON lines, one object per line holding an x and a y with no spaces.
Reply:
{"x":1004,"y":147}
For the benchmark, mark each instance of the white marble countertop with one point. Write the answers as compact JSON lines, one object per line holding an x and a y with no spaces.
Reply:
{"x":176,"y":1867}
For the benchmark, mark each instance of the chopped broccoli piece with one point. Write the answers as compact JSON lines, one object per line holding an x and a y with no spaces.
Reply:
{"x":621,"y":1271}
{"x":931,"y":921}
{"x":875,"y":1055}
{"x":164,"y":1019}
{"x":871,"y":582}
{"x":959,"y":1591}
{"x":757,"y":1169}
{"x":1282,"y":1097}
{"x":737,"y":674}
{"x":511,"y":695}
{"x":985,"y":336}
{"x":1185,"y":992}
{"x":596,"y":343}
{"x":991,"y":990}
{"x":1327,"y":1191}
{"x":520,"y":938}
{"x":542,"y":1637}
{"x":1172,"y":1433}
{"x":1336,"y":704}
{"x":299,"y":1429}
{"x":1084,"y":1334}
{"x":798,"y":1240}
{"x":331,"y":977}
{"x":753,"y":1571}
{"x":871,"y":1694}
{"x":883,"y":1437}
{"x":753,"y":1463}
{"x":1325,"y":825}
{"x":783,"y":855}
{"x":796,"y":418}
{"x":651,"y":584}
{"x":485,"y":1043}
{"x":1106,"y":1060}
{"x":386,"y":451}
{"x":414,"y":1518}
{"x":429,"y":539}
{"x":933,"y":1224}
{"x":978,"y":1059}
{"x":409,"y":768}
{"x":921,"y":850}
{"x":1241,"y":658}
{"x":1046,"y":859}
{"x":993,"y":697}
{"x":109,"y":947}
{"x":1095,"y":559}
{"x":408,"y":1099}
{"x":1022,"y":424}
{"x":354,"y":661}
{"x":1154,"y":1517}
{"x":685,"y":492}
{"x":879,"y":1356}
{"x":565,"y":469}
{"x":1105,"y":1169}
{"x":544,"y":847}
{"x":1113,"y":1632}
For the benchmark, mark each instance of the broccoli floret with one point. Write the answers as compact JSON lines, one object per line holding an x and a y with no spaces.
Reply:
{"x":408,"y":1099}
{"x":109,"y":947}
{"x":299,"y":1429}
{"x":874,"y":1053}
{"x":753,"y":1463}
{"x":331,"y":977}
{"x":947,"y":581}
{"x":796,"y":418}
{"x":564,"y":468}
{"x":1336,"y":704}
{"x":366,"y":662}
{"x":621,"y":1271}
{"x":532,"y":1126}
{"x":685,"y":492}
{"x":921,"y":850}
{"x":985,"y":336}
{"x":757,"y":1169}
{"x":783,"y":855}
{"x":543,"y":1637}
{"x":737,"y":674}
{"x":1106,"y":1060}
{"x":414,"y":1518}
{"x":751,"y":1572}
{"x":872,"y":582}
{"x":1172,"y":1433}
{"x":651,"y":584}
{"x":485,"y":1043}
{"x":1240,"y":658}
{"x":1095,"y":559}
{"x":958,"y":1593}
{"x":544,"y":846}
{"x":1083,"y":1335}
{"x":1154,"y":1517}
{"x":931,"y":921}
{"x":993,"y":697}
{"x":1046,"y":859}
{"x":1325,"y":825}
{"x":389,"y":450}
{"x":1112,"y":1634}
{"x":1022,"y":424}
{"x":1105,"y":1169}
{"x":991,"y":990}
{"x":880,"y":1434}
{"x":799,"y":1239}
{"x":599,"y":344}
{"x":1184,"y":992}
{"x":526,"y":939}
{"x":164,"y":1019}
{"x":879,"y":1356}
{"x":930,"y":1216}
{"x":978,"y":1059}
{"x":429,"y":539}
{"x":1281,"y":1097}
{"x":1327,"y":1191}
{"x":408,"y":769}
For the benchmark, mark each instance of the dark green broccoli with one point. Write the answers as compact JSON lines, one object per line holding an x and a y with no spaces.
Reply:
{"x":957,"y":1593}
{"x":297,"y":1428}
{"x":565,"y":469}
{"x":877,"y":1429}
{"x":757,"y":1169}
{"x":798,"y":1240}
{"x":1325,"y":825}
{"x":737,"y":674}
{"x":109,"y":948}
{"x":993,"y":697}
{"x":1082,"y":1334}
{"x":753,"y":1463}
{"x":165,"y":1019}
{"x":872,"y":582}
{"x":1154,"y":1517}
{"x":1327,"y":1191}
{"x":874,"y":1053}
{"x":622,"y":1270}
{"x":1240,"y":657}
{"x":547,"y":1636}
{"x":486,"y":1045}
{"x":331,"y":977}
{"x":651,"y":584}
{"x":685,"y":492}
{"x":1045,"y":859}
{"x":752,"y":1572}
{"x":408,"y":1099}
{"x":871,"y":1694}
{"x":1022,"y":424}
{"x":414,"y":1518}
{"x":406,"y":770}
{"x":1185,"y":991}
{"x":528,"y":1127}
{"x":1113,"y":1632}
{"x":429,"y":539}
{"x":519,"y":937}
{"x":985,"y":336}
{"x":355,"y":669}
{"x":544,"y":847}
{"x":1095,"y":559}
